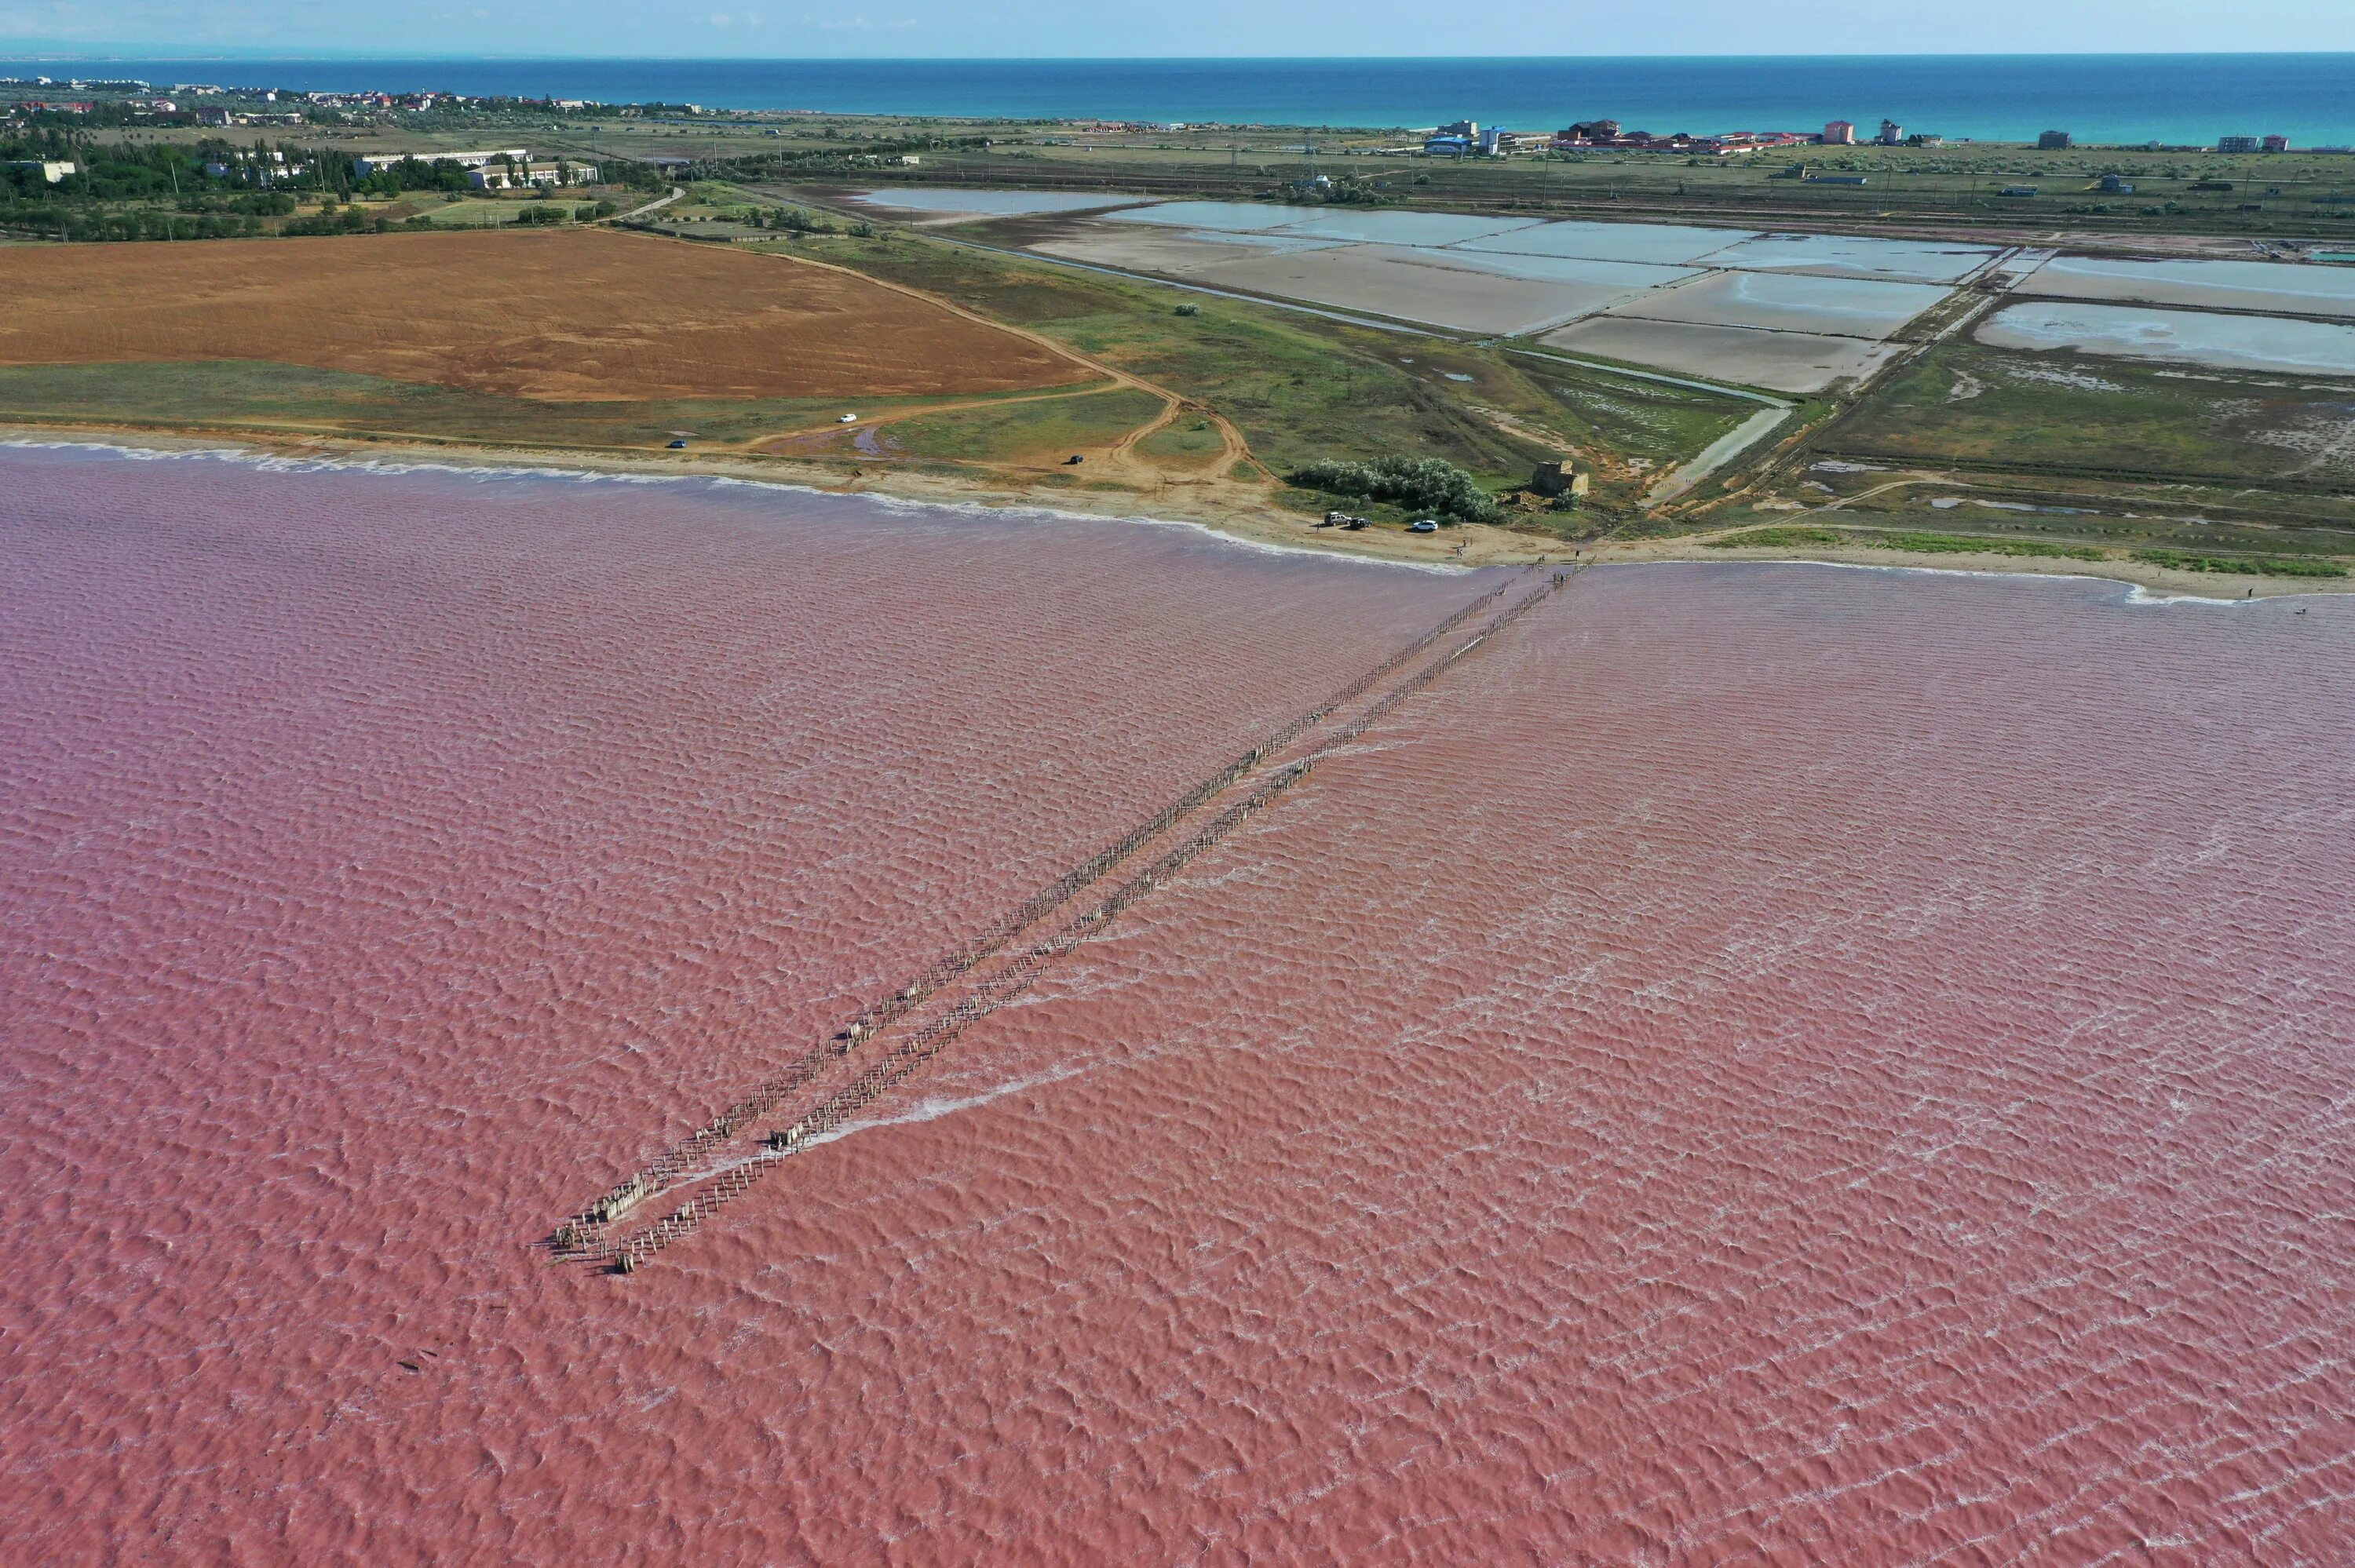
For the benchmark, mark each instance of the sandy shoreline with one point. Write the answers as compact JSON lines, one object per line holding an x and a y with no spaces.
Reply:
{"x":1230,"y":509}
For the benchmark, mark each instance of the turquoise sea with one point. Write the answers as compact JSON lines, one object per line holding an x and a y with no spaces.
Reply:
{"x":2176,"y":98}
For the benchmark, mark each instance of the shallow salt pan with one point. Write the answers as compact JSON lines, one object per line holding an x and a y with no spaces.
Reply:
{"x":1781,"y":360}
{"x":2224,"y":285}
{"x":1408,"y":227}
{"x":1181,"y":253}
{"x":987,"y":204}
{"x":1919,"y":261}
{"x":1237,"y":216}
{"x":1787,"y":301}
{"x":2188,"y":337}
{"x":1625,"y":275}
{"x":1436,"y":287}
{"x":1661,"y":243}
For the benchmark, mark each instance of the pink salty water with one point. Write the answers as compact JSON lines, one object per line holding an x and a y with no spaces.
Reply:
{"x":1757,"y":1065}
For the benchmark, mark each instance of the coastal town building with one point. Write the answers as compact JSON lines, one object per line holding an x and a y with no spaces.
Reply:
{"x":255,"y":168}
{"x":2236,"y":144}
{"x":2052,"y":140}
{"x":1840,"y":133}
{"x":371,"y":164}
{"x":2275,"y":144}
{"x":506,"y":176}
{"x":1892,"y":134}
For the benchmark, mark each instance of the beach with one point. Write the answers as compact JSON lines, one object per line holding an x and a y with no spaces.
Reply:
{"x":1237,"y":511}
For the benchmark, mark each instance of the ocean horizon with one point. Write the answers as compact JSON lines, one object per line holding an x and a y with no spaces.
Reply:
{"x":2178,"y":99}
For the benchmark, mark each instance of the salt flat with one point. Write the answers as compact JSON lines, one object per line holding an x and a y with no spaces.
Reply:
{"x":1789,"y":302}
{"x":1667,"y":243}
{"x":1780,"y":361}
{"x":1407,"y":228}
{"x":2187,"y":337}
{"x":2302,"y":290}
{"x":1920,"y":260}
{"x":986,"y":204}
{"x":1245,"y":216}
{"x":1178,"y":253}
{"x":1417,"y":286}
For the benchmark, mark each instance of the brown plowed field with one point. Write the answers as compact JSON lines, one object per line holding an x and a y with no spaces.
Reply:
{"x":575,"y":313}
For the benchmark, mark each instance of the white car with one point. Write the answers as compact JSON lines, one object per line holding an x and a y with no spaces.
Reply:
{"x":848,"y":419}
{"x":1422,"y":525}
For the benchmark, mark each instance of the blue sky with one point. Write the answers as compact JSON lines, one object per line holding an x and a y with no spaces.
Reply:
{"x":1195,"y":28}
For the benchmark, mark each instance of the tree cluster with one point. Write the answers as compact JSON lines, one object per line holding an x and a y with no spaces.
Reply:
{"x":1425,"y":485}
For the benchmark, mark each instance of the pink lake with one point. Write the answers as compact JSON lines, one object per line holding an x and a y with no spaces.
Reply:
{"x":1755,"y":1064}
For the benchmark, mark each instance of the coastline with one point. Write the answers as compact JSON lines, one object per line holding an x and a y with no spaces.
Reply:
{"x":1230,"y":510}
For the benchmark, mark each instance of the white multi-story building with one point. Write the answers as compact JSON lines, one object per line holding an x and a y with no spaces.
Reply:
{"x":523,"y":172}
{"x":369,"y":166}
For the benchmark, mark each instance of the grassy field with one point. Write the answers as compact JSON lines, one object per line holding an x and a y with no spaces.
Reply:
{"x":1971,"y":406}
{"x":1302,"y":388}
{"x":1627,"y":414}
{"x":1035,"y":432}
{"x":1188,"y":439}
{"x":229,"y":395}
{"x":2260,"y":563}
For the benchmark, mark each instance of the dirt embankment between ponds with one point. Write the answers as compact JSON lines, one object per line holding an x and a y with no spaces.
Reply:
{"x":585,"y":314}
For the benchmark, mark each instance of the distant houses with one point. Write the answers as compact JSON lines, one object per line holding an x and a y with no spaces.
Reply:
{"x":1607,"y":134}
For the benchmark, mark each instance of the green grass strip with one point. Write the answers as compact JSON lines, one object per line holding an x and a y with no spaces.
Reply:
{"x":1772,"y":538}
{"x":2246,"y":566}
{"x":1958,"y":545}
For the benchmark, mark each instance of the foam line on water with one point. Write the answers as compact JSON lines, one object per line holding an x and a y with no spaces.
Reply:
{"x":898,"y":505}
{"x":2134,"y":594}
{"x":932,"y":1107}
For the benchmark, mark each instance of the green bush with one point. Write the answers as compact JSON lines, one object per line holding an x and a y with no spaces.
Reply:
{"x":2247,"y":566}
{"x":1426,"y":484}
{"x":1953,"y":544}
{"x":1775,"y":538}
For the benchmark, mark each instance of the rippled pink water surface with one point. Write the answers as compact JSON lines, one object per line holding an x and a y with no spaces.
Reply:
{"x":1757,"y":1065}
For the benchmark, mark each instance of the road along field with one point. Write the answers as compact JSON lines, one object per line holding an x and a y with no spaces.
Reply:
{"x":577,"y":314}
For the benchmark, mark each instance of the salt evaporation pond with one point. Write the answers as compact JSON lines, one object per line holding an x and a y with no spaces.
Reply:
{"x":1422,"y":229}
{"x":1919,"y":261}
{"x":2183,"y":337}
{"x":1241,"y":215}
{"x":2298,"y":288}
{"x":988,"y":204}
{"x":1758,"y":1064}
{"x":1791,"y":302}
{"x":1749,"y":357}
{"x":1663,"y":243}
